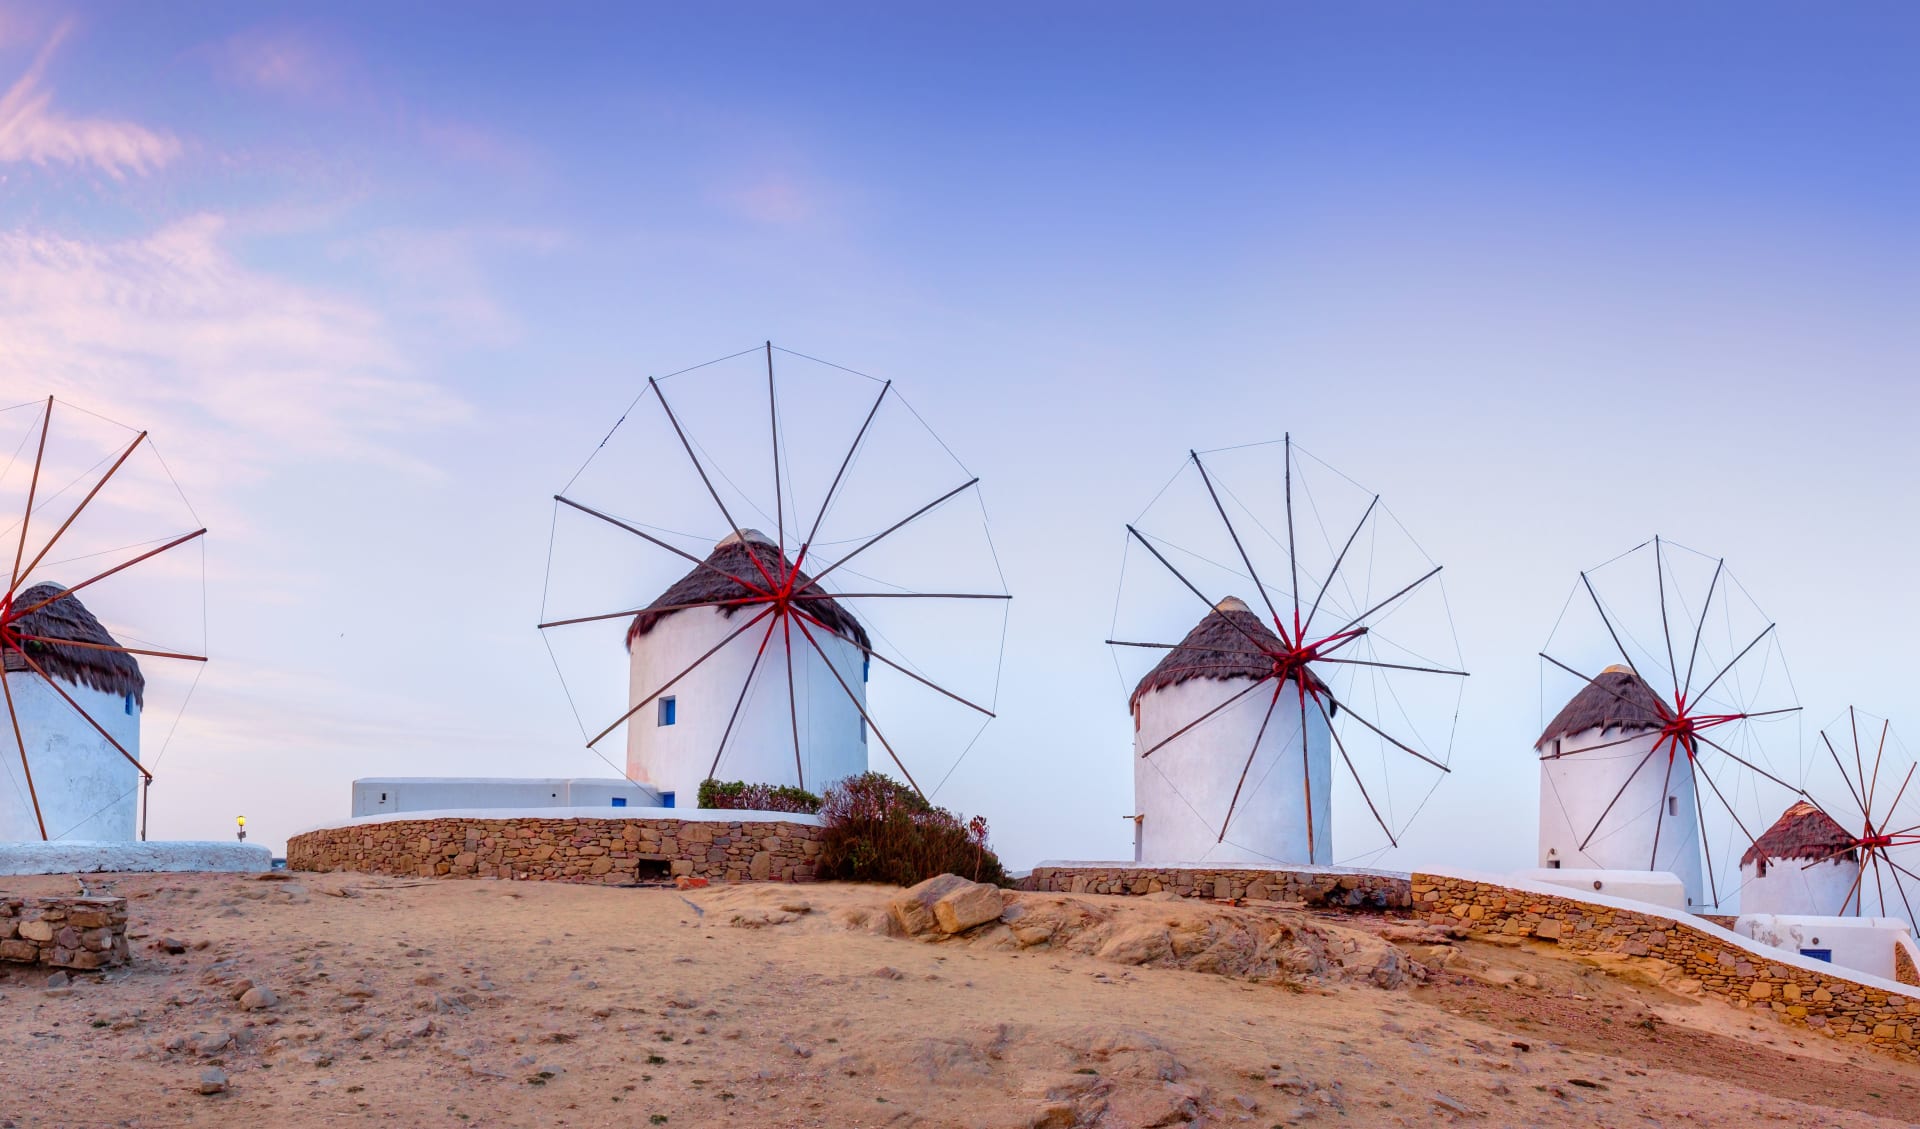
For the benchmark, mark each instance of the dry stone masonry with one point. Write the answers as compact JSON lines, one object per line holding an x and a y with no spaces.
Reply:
{"x":1351,"y":888}
{"x":1903,"y":969}
{"x":601,"y":851}
{"x":64,"y":932}
{"x":1699,"y":961}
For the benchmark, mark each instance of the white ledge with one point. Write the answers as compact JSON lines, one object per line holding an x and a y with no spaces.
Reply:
{"x":1265,"y":867}
{"x":95,"y":857}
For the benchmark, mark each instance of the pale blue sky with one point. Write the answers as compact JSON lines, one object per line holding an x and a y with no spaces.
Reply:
{"x":1551,"y":279}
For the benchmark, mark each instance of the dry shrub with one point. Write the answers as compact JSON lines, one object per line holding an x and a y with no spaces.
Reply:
{"x":738,"y":795}
{"x":878,"y":830}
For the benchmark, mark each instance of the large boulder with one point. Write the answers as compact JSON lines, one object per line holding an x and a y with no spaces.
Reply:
{"x":971,"y":904}
{"x":945,"y":903}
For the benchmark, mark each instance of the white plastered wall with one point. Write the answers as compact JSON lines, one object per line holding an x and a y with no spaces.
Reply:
{"x":676,"y":758}
{"x":1790,"y":886}
{"x":1655,"y":810}
{"x":377,"y":795}
{"x":1182,"y":791}
{"x":87,"y":790}
{"x":1863,"y":944}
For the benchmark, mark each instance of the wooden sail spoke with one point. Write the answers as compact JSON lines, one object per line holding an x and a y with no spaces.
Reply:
{"x":82,"y":644}
{"x":857,"y":705}
{"x":674,"y":549}
{"x":26,"y":517}
{"x":1203,"y":717}
{"x":20,"y":742}
{"x":889,"y":530}
{"x":691,"y":667}
{"x":1248,"y":767}
{"x":746,"y":685}
{"x":701,"y":469}
{"x":82,"y":711}
{"x":1244,"y":558}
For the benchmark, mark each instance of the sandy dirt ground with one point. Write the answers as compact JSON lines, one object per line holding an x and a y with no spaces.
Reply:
{"x":496,"y":1003}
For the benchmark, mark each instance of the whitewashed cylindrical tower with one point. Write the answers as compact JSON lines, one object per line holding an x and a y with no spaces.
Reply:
{"x":1617,"y":808}
{"x":1805,"y":865}
{"x":86,"y":790}
{"x":1184,"y":789}
{"x":673,"y":741}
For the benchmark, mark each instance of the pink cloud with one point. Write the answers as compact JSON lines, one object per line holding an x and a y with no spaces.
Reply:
{"x":17,"y":27}
{"x":31,"y":129}
{"x":776,"y":199}
{"x":309,"y":69}
{"x":287,"y":63}
{"x":171,"y":328}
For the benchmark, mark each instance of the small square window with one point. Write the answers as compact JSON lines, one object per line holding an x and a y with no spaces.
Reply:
{"x":1673,"y":805}
{"x":666,"y":711}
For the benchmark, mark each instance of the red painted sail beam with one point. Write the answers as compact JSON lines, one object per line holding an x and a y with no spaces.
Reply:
{"x":16,"y":614}
{"x":51,"y":541}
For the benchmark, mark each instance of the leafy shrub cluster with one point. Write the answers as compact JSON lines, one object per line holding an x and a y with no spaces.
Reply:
{"x":738,"y":795}
{"x":878,"y":830}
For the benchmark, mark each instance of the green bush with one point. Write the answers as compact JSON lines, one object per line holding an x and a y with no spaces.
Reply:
{"x":738,"y":795}
{"x":879,"y":830}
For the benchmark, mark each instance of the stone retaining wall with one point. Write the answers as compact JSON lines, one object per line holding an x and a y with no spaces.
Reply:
{"x":1702,"y":962}
{"x":1370,"y":889}
{"x":604,"y":851}
{"x":64,"y":932}
{"x":1903,"y":969}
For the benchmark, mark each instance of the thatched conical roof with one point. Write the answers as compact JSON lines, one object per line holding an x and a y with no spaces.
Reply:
{"x":1220,"y":646}
{"x":107,"y":671}
{"x":1616,"y":699}
{"x":733,"y":557}
{"x":1802,"y":832}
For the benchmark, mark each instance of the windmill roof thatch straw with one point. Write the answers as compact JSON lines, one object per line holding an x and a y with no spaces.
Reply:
{"x":1616,"y":699}
{"x":1802,"y":832}
{"x":733,"y":557}
{"x":1219,"y":647}
{"x":110,"y":672}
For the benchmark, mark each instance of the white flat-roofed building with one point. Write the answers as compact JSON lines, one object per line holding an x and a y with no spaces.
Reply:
{"x":390,"y":795}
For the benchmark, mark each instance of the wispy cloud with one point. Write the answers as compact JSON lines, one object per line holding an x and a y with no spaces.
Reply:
{"x":32,"y":130}
{"x":307,"y":67}
{"x":282,"y":62}
{"x":777,"y":199}
{"x":172,"y":327}
{"x":439,"y":277}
